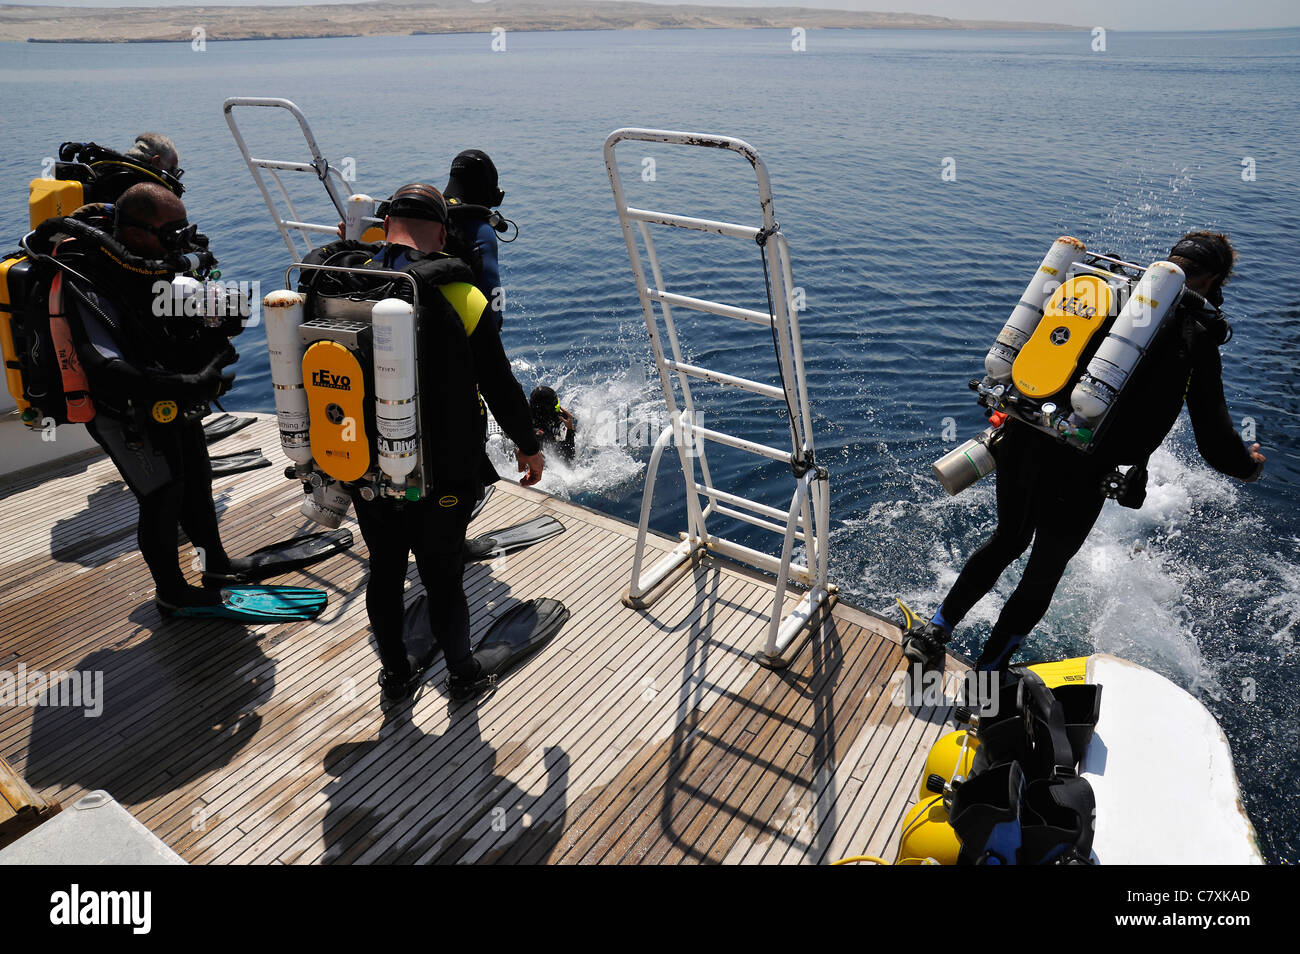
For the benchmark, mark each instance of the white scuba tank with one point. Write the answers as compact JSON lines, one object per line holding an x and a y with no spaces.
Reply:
{"x":284,"y":313}
{"x":393,"y":325}
{"x":1136,"y":325}
{"x":359,"y":207}
{"x":1065,"y":251}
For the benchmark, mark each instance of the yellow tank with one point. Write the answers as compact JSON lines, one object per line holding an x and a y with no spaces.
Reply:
{"x":13,"y":379}
{"x":927,"y":834}
{"x":946,"y":759}
{"x":47,"y":198}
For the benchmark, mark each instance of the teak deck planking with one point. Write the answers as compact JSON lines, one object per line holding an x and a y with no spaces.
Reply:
{"x":648,"y":736}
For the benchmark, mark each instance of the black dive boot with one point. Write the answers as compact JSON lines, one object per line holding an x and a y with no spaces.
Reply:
{"x":924,"y":644}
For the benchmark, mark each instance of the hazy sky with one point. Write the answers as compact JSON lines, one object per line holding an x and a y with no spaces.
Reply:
{"x":1114,"y":14}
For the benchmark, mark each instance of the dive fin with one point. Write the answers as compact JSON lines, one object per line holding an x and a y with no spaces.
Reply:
{"x":256,"y":604}
{"x":239,"y":462}
{"x":518,"y":633}
{"x":223,"y":425}
{"x":482,"y":501}
{"x":415,"y":628}
{"x":910,"y":619}
{"x":511,"y":539}
{"x":286,"y":556}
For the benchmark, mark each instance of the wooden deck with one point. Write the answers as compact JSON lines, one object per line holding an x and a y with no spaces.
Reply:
{"x":634,"y":737}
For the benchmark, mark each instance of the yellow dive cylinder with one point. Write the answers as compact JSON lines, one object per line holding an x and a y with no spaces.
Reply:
{"x":949,"y":757}
{"x":926,"y":832}
{"x":334,"y":380}
{"x":13,"y":272}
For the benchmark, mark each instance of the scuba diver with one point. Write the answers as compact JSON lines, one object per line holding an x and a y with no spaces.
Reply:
{"x":106,"y":173}
{"x":462,"y":357}
{"x":140,"y":377}
{"x":1051,"y":493}
{"x":553,"y":424}
{"x":472,"y":194}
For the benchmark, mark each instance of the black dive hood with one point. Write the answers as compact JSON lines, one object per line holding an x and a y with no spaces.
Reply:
{"x":106,"y":164}
{"x":40,"y":243}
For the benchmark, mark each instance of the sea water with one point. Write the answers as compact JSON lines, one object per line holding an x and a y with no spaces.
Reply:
{"x":919,"y":177}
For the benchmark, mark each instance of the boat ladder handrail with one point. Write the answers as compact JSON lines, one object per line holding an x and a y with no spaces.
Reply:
{"x":355,"y":211}
{"x":807,"y":518}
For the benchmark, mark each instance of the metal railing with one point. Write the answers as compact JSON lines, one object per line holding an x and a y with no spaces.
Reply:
{"x":807,"y":517}
{"x":353,"y":213}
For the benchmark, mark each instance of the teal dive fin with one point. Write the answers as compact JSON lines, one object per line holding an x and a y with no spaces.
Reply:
{"x":286,"y":556}
{"x":512,"y":539}
{"x":223,"y":425}
{"x":256,"y":604}
{"x":482,"y":501}
{"x":239,"y":462}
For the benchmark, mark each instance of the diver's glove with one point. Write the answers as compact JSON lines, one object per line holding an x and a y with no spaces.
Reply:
{"x":210,"y":383}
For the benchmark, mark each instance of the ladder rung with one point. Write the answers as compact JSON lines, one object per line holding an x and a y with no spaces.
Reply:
{"x":688,"y":222}
{"x":309,"y":227}
{"x":764,"y":561}
{"x":695,"y":371}
{"x":713,"y":307}
{"x":741,"y":444}
{"x":756,"y":521}
{"x":285,"y":165}
{"x":736,"y":501}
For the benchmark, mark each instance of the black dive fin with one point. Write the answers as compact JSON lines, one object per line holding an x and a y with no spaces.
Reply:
{"x":415,"y":629}
{"x":482,"y":501}
{"x":511,"y":539}
{"x":518,"y":633}
{"x":286,"y":556}
{"x":223,"y":425}
{"x":239,"y":462}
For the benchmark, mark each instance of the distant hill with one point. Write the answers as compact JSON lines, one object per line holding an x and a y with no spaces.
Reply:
{"x":146,"y":24}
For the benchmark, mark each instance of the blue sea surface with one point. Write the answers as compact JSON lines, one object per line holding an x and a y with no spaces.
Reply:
{"x":908,"y":276}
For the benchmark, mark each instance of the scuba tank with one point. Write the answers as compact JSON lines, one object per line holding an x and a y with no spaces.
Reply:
{"x":284,"y":347}
{"x":397,"y":433}
{"x":1062,"y":372}
{"x":970,"y":462}
{"x":1065,"y":251}
{"x":1134,"y":329}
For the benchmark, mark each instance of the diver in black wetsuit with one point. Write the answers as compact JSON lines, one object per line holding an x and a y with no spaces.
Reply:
{"x":1051,"y":494}
{"x":472,"y":192}
{"x":466,"y":352}
{"x":150,"y":376}
{"x":552,"y":422}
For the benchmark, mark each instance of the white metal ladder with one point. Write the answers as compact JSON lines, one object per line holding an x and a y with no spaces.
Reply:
{"x":354,"y":212}
{"x":807,"y":518}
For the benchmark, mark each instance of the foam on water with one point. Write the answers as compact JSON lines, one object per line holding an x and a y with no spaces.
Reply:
{"x":616,"y":417}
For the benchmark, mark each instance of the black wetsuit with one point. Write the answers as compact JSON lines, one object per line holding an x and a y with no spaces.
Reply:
{"x":433,"y":529}
{"x":1052,"y":494}
{"x":137,"y":369}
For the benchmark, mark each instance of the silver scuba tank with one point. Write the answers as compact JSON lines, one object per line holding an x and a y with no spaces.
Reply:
{"x":969,"y":462}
